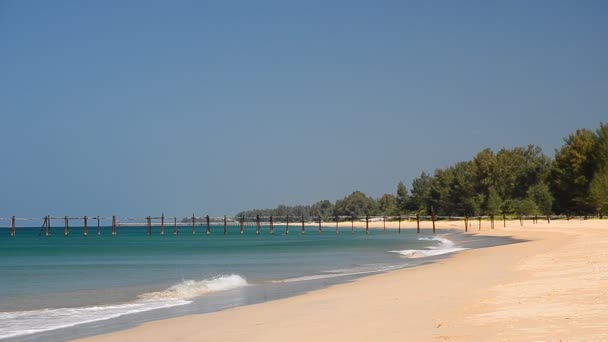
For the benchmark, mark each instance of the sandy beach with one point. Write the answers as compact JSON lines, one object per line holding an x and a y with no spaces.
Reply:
{"x":553,"y":286}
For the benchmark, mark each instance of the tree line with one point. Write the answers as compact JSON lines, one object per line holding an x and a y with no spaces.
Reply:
{"x":517,"y":181}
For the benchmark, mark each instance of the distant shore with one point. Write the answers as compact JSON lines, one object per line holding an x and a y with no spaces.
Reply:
{"x":553,"y":286}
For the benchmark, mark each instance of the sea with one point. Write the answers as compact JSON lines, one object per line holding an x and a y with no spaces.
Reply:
{"x":59,"y":288}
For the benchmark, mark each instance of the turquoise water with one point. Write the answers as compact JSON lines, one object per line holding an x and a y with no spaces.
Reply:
{"x":56,"y":282}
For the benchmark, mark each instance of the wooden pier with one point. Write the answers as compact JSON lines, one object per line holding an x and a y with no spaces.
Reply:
{"x":258,"y":224}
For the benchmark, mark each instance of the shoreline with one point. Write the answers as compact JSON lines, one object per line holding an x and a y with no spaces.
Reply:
{"x":506,"y":292}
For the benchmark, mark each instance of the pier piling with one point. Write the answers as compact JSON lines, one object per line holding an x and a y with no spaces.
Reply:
{"x":13,"y":226}
{"x":98,"y":226}
{"x":162,"y":224}
{"x":271,"y":225}
{"x":337,"y":228}
{"x":257,"y":224}
{"x":352,"y":224}
{"x":433,"y":218}
{"x":242,"y":224}
{"x":193,"y":224}
{"x":67,"y":226}
{"x":149,"y":220}
{"x":303,"y":229}
{"x":208,"y":224}
{"x":399,"y":231}
{"x":225,"y":226}
{"x":366,"y":224}
{"x":287,"y":225}
{"x":86,"y":226}
{"x":175,"y":226}
{"x":113,"y":225}
{"x":418,"y":223}
{"x":320,"y":224}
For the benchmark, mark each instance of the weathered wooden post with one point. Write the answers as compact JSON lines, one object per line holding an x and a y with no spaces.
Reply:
{"x":384,"y":222}
{"x":67,"y":226}
{"x":98,"y":226}
{"x":399,"y":224}
{"x":320,"y":229}
{"x":225,"y":226}
{"x":433,"y":218}
{"x":548,"y":218}
{"x":418,"y":223}
{"x":535,"y":219}
{"x":352,"y":224}
{"x":86,"y":226}
{"x":48,"y":226}
{"x":479,"y":222}
{"x":366,"y":224}
{"x":175,"y":225}
{"x":149,"y":220}
{"x":303,"y":229}
{"x":466,"y":224}
{"x":257,"y":224}
{"x":337,"y":228}
{"x":162,"y":224}
{"x":492,"y":221}
{"x":208,"y":224}
{"x":193,"y":224}
{"x":271,"y":225}
{"x":504,"y":221}
{"x":242,"y":224}
{"x":114,"y":225}
{"x":287,"y":226}
{"x":13,"y":226}
{"x":521,"y":221}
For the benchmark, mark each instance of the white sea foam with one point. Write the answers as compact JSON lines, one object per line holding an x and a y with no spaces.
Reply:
{"x":190,"y":288}
{"x":20,"y":323}
{"x":446,"y":246}
{"x":344,"y":272}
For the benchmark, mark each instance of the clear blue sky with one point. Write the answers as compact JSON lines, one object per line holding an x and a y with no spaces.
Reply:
{"x":138,"y":107}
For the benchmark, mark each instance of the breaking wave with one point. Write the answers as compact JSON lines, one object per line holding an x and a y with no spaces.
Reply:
{"x":19,"y":323}
{"x":445,"y":246}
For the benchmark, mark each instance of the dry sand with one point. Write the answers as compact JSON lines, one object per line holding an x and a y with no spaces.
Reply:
{"x":554,"y":287}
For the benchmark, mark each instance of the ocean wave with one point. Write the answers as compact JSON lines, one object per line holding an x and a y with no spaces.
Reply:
{"x":446,"y":246}
{"x":343,"y":272}
{"x":190,"y":288}
{"x":21,"y":323}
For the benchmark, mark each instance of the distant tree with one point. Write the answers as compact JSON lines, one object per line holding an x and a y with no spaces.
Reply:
{"x":493,"y":202}
{"x":323,"y":208}
{"x":572,"y":172}
{"x":402,"y":198}
{"x":524,"y":206}
{"x":387,"y":205}
{"x":357,"y":204}
{"x":598,"y":191}
{"x":541,"y":196}
{"x":600,"y":154}
{"x":420,"y":195}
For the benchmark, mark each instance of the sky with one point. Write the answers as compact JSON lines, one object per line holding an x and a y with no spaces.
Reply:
{"x":134,"y":108}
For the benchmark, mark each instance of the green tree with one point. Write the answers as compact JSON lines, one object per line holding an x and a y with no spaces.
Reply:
{"x":420,"y":200}
{"x":524,"y":206}
{"x":356,"y":204}
{"x":572,"y":172}
{"x":598,"y":191}
{"x":387,"y":205}
{"x":402,"y":198}
{"x":541,"y":196}
{"x":493,"y":202}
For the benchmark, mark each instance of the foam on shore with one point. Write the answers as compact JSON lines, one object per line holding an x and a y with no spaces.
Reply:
{"x":19,"y":323}
{"x":446,"y":246}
